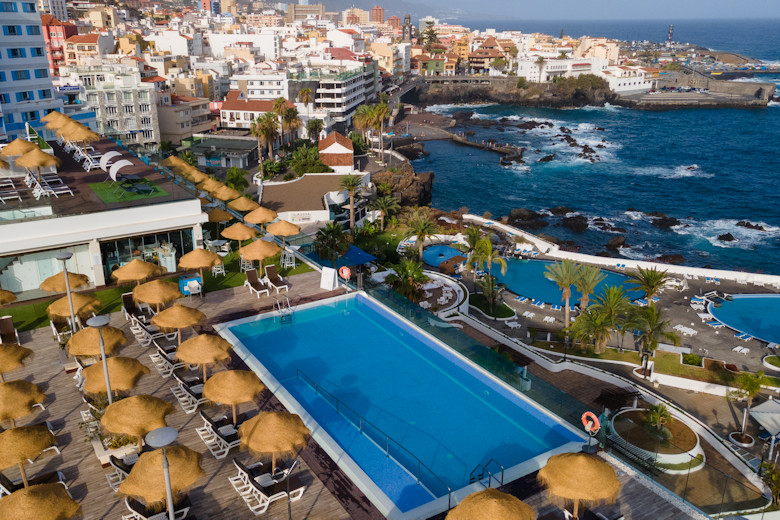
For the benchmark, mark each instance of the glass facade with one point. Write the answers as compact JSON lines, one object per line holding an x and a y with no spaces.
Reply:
{"x":24,"y":273}
{"x":164,"y":249}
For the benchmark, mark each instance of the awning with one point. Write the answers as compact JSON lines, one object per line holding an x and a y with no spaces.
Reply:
{"x":118,"y":166}
{"x":353,"y":256}
{"x":107,"y":157}
{"x":768,"y":415}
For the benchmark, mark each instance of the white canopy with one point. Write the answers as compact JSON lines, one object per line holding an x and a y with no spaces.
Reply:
{"x":107,"y":157}
{"x":768,"y":415}
{"x":118,"y":166}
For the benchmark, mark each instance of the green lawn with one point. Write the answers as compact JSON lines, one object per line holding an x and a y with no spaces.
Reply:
{"x":110,"y":193}
{"x":611,"y":354}
{"x":500,"y":310}
{"x":712,"y":372}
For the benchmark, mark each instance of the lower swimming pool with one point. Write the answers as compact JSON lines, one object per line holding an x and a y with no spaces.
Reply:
{"x":436,"y":254}
{"x":527,"y":278}
{"x":405,"y":390}
{"x":755,"y":314}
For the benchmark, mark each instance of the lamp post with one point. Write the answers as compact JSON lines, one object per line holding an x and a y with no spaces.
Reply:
{"x":63,"y":257}
{"x":162,"y":438}
{"x":98,"y":322}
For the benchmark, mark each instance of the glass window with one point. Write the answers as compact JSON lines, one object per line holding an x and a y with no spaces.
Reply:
{"x":33,"y":30}
{"x":23,"y":96}
{"x":21,"y":75}
{"x":7,"y":7}
{"x":12,"y":30}
{"x":37,"y":51}
{"x":28,"y":7}
{"x":5,"y":98}
{"x":8,"y":118}
{"x":16,"y":53}
{"x":44,"y":94}
{"x":41,"y":73}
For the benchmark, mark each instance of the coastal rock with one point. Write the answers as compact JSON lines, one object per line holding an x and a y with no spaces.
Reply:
{"x":577,"y":223}
{"x":560,"y":211}
{"x":671,"y":259}
{"x":469,"y":133}
{"x":565,"y":130}
{"x":616,"y":242}
{"x":412,"y":151}
{"x":461,"y":116}
{"x":526,"y":219}
{"x":653,"y":213}
{"x":570,"y":246}
{"x":414,"y":189}
{"x":547,"y":158}
{"x":604,"y":254}
{"x":548,"y":238}
{"x":524,"y":214}
{"x":726,"y":237}
{"x":530,"y":125}
{"x":665,"y":222}
{"x":748,"y":225}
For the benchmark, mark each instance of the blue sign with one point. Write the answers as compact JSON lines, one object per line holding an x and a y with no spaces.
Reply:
{"x":69,"y":88}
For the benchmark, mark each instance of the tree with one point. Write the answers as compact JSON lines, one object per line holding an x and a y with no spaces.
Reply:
{"x":658,"y":415}
{"x":429,"y":36}
{"x":384,"y":188}
{"x":188,"y":157}
{"x":409,"y":279}
{"x":652,"y":329}
{"x":649,"y":280}
{"x":513,"y":52}
{"x":265,"y":130}
{"x":473,"y":235}
{"x":489,"y":291}
{"x":564,"y":274}
{"x":387,"y":206}
{"x":291,"y":122}
{"x":592,"y":325}
{"x":421,"y":226}
{"x":540,"y":64}
{"x":236,"y":178}
{"x":380,"y":113}
{"x":304,"y":96}
{"x":331,"y":242}
{"x":748,"y":387}
{"x":498,"y":64}
{"x":615,"y":306}
{"x":306,"y":159}
{"x":587,"y":281}
{"x":771,"y":477}
{"x":350,"y":184}
{"x":563,"y":55}
{"x":362,"y":118}
{"x":313,"y":128}
{"x":359,"y":146}
{"x":280,"y":105}
{"x":485,"y":254}
{"x":167,"y":148}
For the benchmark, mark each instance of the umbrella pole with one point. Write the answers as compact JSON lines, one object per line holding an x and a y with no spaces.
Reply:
{"x":273,"y":463}
{"x":576,"y":507}
{"x":204,"y":373}
{"x":2,"y":379}
{"x":180,"y":337}
{"x":24,"y":475}
{"x":234,"y":415}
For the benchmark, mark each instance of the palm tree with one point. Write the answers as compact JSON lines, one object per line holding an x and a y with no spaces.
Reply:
{"x":485,"y":254}
{"x":313,"y":128}
{"x":380,"y":114}
{"x":590,"y":276}
{"x":265,"y":130}
{"x":565,"y":274}
{"x":409,"y":279}
{"x":649,"y":280}
{"x":748,"y":387}
{"x":350,"y":184}
{"x":473,"y":235}
{"x":304,"y":96}
{"x":188,"y":157}
{"x":540,"y":64}
{"x":384,"y":188}
{"x":236,"y":178}
{"x":592,"y":325}
{"x":291,"y":121}
{"x":421,"y":226}
{"x":615,"y":306}
{"x":652,"y":329}
{"x":280,"y":105}
{"x":362,"y":119}
{"x":167,"y":148}
{"x":658,"y":415}
{"x":386,"y":205}
{"x":331,"y":242}
{"x":489,"y":291}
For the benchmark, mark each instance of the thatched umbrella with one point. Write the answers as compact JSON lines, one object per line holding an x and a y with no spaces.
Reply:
{"x":260,"y":250}
{"x":136,"y":416}
{"x":277,"y":433}
{"x":243,"y":204}
{"x":147,"y":482}
{"x":240,"y":232}
{"x":210,"y":185}
{"x":178,"y":316}
{"x":283,"y":229}
{"x":225,"y":193}
{"x":578,"y":478}
{"x":77,"y":132}
{"x":156,"y":293}
{"x":199,"y":259}
{"x":261,"y":216}
{"x":86,"y":342}
{"x":136,"y":271}
{"x":203,"y":350}
{"x":12,"y":356}
{"x":42,"y":502}
{"x":491,"y":504}
{"x":193,"y":174}
{"x":56,"y":283}
{"x":219,"y":215}
{"x":123,"y":373}
{"x":6,"y":297}
{"x":22,"y":443}
{"x":55,"y":116}
{"x":4,"y":163}
{"x":83,"y":305}
{"x":37,"y":158}
{"x":173,"y":162}
{"x":17,"y":147}
{"x":17,"y":399}
{"x":58,"y":123}
{"x":233,"y":387}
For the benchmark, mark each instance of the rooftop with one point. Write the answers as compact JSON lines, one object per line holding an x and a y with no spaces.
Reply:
{"x":224,"y":145}
{"x":304,"y":194}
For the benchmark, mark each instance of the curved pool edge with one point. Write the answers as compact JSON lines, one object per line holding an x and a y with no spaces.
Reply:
{"x":744,"y":296}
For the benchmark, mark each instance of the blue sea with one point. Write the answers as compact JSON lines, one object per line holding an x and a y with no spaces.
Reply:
{"x":709,"y":168}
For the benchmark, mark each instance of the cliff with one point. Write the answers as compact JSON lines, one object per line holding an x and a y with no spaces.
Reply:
{"x":413,"y":189}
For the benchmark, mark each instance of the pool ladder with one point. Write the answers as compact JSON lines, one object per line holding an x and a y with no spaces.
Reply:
{"x":482,"y":471}
{"x":284,"y":309}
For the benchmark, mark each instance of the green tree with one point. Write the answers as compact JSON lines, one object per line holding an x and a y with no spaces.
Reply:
{"x":649,"y":280}
{"x":652,"y":329}
{"x":748,"y":387}
{"x":592,"y":325}
{"x":304,"y":96}
{"x":387,"y":206}
{"x":498,"y":64}
{"x":614,"y":305}
{"x":362,"y":119}
{"x":522,"y":83}
{"x":540,"y":64}
{"x":429,"y":36}
{"x":279,"y":106}
{"x":564,"y":274}
{"x":359,"y":145}
{"x":589,"y":277}
{"x":489,"y":291}
{"x":236,"y":178}
{"x":770,"y":474}
{"x":292,"y":122}
{"x":563,"y":55}
{"x":658,"y":415}
{"x":421,"y":226}
{"x":331,"y":242}
{"x":351,"y":184}
{"x":409,"y":279}
{"x":188,"y":157}
{"x":486,"y":255}
{"x":264,"y":128}
{"x":306,"y":159}
{"x":167,"y":148}
{"x":473,"y":235}
{"x":380,"y":113}
{"x":313,"y":128}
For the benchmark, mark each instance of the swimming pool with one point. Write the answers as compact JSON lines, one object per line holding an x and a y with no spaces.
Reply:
{"x":527,"y":278}
{"x":436,"y":254}
{"x":398,"y":382}
{"x":756,"y":314}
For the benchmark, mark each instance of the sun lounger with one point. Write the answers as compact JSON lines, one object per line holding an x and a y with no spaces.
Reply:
{"x":8,"y":333}
{"x":120,"y":473}
{"x":189,"y":397}
{"x":138,"y":511}
{"x":274,"y":280}
{"x":219,"y":440}
{"x":697,"y":307}
{"x":165,"y":362}
{"x":697,"y":299}
{"x":255,"y":285}
{"x":715,"y":324}
{"x":521,"y":299}
{"x":258,"y":497}
{"x":549,"y":319}
{"x":513,"y":325}
{"x":132,"y":310}
{"x":743,"y":336}
{"x":555,"y":307}
{"x":641,"y":302}
{"x":710,"y":294}
{"x":7,"y":486}
{"x":425,"y":305}
{"x":7,"y":195}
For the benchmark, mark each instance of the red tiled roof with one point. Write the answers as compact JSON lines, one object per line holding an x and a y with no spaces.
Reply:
{"x":333,"y":138}
{"x":83,"y":38}
{"x":341,"y":53}
{"x":153,"y":79}
{"x":337,"y":159}
{"x":349,"y":31}
{"x":250,"y":105}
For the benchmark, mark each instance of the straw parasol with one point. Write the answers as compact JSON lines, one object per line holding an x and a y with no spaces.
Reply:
{"x":83,"y":304}
{"x":283,"y":229}
{"x":261,"y":216}
{"x":192,"y":173}
{"x":42,"y":502}
{"x":18,"y":147}
{"x":56,"y":283}
{"x":86,"y":342}
{"x":225,"y":193}
{"x":239,"y":231}
{"x":233,"y":387}
{"x":3,"y":163}
{"x":199,"y":259}
{"x":578,"y":478}
{"x":55,"y":116}
{"x":6,"y":297}
{"x":260,"y":250}
{"x":136,"y":416}
{"x":22,"y":443}
{"x":210,"y":184}
{"x":123,"y":373}
{"x":156,"y":293}
{"x":136,"y":271}
{"x":17,"y":399}
{"x":58,"y":123}
{"x":491,"y":504}
{"x":178,"y":316}
{"x":12,"y":356}
{"x":219,"y":215}
{"x":277,"y":433}
{"x":146,"y":481}
{"x":37,"y":158}
{"x":203,"y":350}
{"x":75,"y":131}
{"x":243,"y":204}
{"x":173,"y":162}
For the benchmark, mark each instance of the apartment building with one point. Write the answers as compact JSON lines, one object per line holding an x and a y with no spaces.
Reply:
{"x":261,"y":85}
{"x":238,"y":111}
{"x":302,"y":12}
{"x":183,"y":117}
{"x":56,"y":8}
{"x":82,"y":48}
{"x":26,"y":91}
{"x":55,"y":32}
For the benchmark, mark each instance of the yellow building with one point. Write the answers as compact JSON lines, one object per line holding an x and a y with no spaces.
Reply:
{"x":461,"y":47}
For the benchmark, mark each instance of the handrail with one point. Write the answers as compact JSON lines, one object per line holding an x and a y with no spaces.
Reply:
{"x":388,"y":440}
{"x":484,"y":469}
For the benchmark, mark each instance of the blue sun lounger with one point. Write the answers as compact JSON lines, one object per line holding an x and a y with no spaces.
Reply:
{"x":521,"y":299}
{"x":743,"y":336}
{"x":696,"y":299}
{"x":641,"y":302}
{"x":555,"y":307}
{"x":715,"y":324}
{"x":655,"y":299}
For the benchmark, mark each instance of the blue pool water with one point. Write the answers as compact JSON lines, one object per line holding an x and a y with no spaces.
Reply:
{"x":444,"y":411}
{"x":756,"y":314}
{"x":527,"y":278}
{"x":434,"y":255}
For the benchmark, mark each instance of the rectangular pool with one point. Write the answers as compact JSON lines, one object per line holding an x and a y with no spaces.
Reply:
{"x":398,"y":390}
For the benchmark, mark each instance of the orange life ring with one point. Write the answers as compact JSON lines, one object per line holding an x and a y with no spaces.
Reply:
{"x":345,"y":272}
{"x":590,"y":422}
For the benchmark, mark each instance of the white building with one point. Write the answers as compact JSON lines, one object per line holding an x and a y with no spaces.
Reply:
{"x":537,"y":71}
{"x":26,"y":91}
{"x":268,"y":41}
{"x":261,"y":85}
{"x":624,"y":79}
{"x":177,"y":44}
{"x":56,"y":8}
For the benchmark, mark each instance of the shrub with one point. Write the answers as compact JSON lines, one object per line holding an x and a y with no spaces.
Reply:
{"x":522,"y":83}
{"x":691,"y":359}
